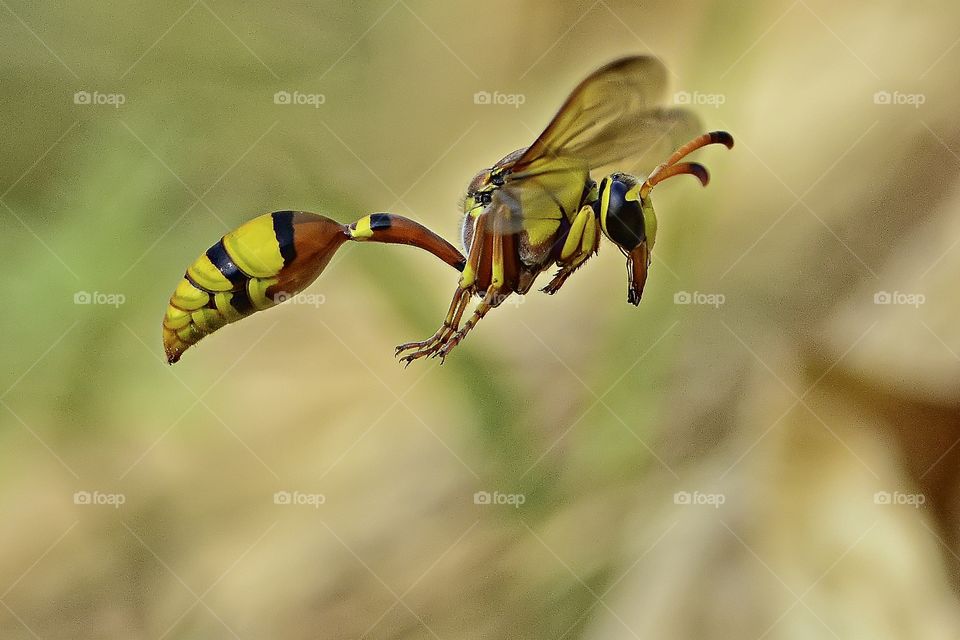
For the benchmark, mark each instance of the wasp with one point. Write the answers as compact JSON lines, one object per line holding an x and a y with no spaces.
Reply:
{"x":536,"y":208}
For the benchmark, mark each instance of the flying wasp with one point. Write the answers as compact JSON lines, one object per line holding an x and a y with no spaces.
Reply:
{"x":535,"y":208}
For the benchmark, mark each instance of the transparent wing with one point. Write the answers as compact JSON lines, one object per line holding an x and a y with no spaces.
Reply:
{"x":613,"y":115}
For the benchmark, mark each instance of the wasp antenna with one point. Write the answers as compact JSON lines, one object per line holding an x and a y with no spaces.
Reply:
{"x":721,"y":137}
{"x":694,"y":169}
{"x":714,"y":137}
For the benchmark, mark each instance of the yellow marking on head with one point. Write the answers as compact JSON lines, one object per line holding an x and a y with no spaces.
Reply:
{"x":360,"y":230}
{"x":206,"y":274}
{"x":189,"y":297}
{"x":605,"y":203}
{"x":634,"y":193}
{"x":649,"y":221}
{"x":257,"y":291}
{"x":254,"y":248}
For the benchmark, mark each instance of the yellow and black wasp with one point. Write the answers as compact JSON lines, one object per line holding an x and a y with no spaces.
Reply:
{"x":535,"y":208}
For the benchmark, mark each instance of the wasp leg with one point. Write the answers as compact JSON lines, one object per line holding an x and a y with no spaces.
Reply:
{"x":450,"y":324}
{"x":491,"y":298}
{"x":582,"y":242}
{"x":458,"y":305}
{"x":481,"y":310}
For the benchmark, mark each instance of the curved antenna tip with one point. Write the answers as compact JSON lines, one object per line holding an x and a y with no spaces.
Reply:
{"x":699,"y":172}
{"x":721,"y":137}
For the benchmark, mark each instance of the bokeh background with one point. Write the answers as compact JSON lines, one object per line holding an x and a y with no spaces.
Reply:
{"x":776,"y":459}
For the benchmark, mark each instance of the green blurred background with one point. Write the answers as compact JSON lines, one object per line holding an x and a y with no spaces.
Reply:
{"x":781,"y":465}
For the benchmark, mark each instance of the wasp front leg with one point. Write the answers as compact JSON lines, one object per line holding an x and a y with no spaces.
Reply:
{"x":581,"y":244}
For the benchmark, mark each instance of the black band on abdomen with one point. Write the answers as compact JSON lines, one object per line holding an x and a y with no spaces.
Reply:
{"x":283,"y":229}
{"x":221,"y":260}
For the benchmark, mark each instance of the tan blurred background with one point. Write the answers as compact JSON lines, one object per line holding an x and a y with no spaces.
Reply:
{"x":781,"y":463}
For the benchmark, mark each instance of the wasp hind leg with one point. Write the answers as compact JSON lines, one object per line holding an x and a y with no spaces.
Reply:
{"x":450,"y":324}
{"x":495,"y":294}
{"x":461,"y":297}
{"x":581,"y":244}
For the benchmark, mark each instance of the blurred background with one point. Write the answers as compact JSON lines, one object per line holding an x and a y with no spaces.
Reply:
{"x":765,"y":448}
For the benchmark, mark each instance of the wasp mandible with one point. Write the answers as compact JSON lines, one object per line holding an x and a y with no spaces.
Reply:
{"x":535,"y":208}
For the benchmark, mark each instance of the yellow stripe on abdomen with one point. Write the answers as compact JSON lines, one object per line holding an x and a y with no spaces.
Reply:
{"x":208,"y":276}
{"x":254,"y":248}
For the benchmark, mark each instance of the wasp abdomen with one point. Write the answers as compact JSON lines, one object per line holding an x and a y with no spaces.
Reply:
{"x":252,"y":268}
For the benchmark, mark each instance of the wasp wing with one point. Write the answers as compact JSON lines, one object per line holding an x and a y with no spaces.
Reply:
{"x":616,"y":113}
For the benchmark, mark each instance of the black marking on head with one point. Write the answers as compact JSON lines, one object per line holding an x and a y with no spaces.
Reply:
{"x":221,"y":260}
{"x":624,"y":218}
{"x":379,"y":221}
{"x":283,"y":230}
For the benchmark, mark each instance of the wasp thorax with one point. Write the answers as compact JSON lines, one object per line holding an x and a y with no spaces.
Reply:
{"x":479,"y":195}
